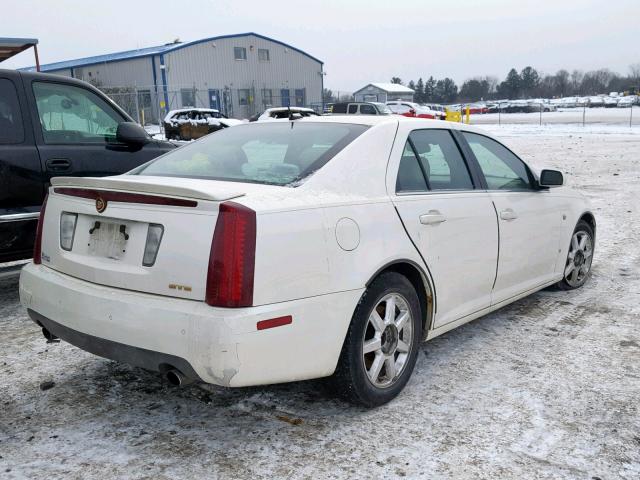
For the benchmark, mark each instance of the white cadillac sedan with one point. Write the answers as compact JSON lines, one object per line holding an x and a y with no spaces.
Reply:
{"x":275,"y":252}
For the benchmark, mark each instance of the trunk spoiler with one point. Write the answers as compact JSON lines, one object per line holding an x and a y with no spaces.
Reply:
{"x":168,"y":186}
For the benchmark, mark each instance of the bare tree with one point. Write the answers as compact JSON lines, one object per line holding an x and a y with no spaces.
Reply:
{"x":634,"y":74}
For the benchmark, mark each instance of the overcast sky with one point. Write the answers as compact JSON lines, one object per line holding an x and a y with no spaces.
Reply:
{"x":360,"y":41}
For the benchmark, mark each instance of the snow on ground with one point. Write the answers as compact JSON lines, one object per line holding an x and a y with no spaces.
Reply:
{"x":545,"y":388}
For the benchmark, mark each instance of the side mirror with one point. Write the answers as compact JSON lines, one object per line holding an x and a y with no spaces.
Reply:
{"x":551,"y":178}
{"x":132,"y":134}
{"x":412,"y":111}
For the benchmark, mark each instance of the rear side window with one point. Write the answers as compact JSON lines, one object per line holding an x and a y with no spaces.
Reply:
{"x":410,"y":175}
{"x":70,"y":114}
{"x":278,"y":153}
{"x":441,"y":160}
{"x":11,"y":128}
{"x":353,"y":108}
{"x":501,"y":168}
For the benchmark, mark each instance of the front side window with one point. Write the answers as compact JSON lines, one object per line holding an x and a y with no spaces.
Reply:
{"x":239,"y":53}
{"x":501,"y":168}
{"x":11,"y":128}
{"x":70,"y":114}
{"x":353,"y":108}
{"x":263,"y":54}
{"x":368,"y":110}
{"x":339,"y":108}
{"x":278,"y":153}
{"x":441,"y":160}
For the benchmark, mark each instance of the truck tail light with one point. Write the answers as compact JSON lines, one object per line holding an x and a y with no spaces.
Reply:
{"x":232,"y":258}
{"x":37,"y":246}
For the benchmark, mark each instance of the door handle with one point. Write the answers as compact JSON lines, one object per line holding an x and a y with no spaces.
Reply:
{"x":508,"y":214}
{"x":58,"y":164}
{"x":433,"y":217}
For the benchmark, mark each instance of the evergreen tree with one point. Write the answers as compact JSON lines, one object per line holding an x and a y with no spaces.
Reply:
{"x":529,"y":81}
{"x":419,"y":96}
{"x":510,"y":88}
{"x":396,"y":80}
{"x":430,"y":90}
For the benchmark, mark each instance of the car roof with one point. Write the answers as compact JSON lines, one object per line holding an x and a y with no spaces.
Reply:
{"x":373,"y":120}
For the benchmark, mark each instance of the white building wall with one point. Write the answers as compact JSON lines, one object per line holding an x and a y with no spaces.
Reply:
{"x":211,"y":65}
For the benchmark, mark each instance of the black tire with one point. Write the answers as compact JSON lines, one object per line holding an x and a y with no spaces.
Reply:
{"x":350,"y":379}
{"x":566,"y":283}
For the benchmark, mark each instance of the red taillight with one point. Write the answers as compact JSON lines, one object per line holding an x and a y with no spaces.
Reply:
{"x":232,"y":258}
{"x":37,"y":246}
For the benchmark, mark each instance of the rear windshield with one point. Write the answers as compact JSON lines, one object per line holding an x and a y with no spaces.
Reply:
{"x":278,"y":153}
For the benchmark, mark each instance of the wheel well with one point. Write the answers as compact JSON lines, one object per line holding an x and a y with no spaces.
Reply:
{"x":590,"y":219}
{"x":420,"y":283}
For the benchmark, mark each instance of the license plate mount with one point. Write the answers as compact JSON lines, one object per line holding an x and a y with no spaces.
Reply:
{"x":108,"y":239}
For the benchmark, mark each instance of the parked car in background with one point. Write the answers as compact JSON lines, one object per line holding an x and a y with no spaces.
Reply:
{"x":410,"y":109}
{"x":439,"y":111}
{"x":360,"y":108}
{"x":284,"y":113}
{"x":611,"y":102}
{"x":192,"y":123}
{"x":627,"y":102}
{"x":475,"y":108}
{"x":282,"y":251}
{"x":595,"y":101}
{"x":52,"y":125}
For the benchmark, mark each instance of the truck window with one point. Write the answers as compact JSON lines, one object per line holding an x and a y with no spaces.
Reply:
{"x":339,"y":108}
{"x":11,"y":128}
{"x":353,"y":108}
{"x":368,"y":110}
{"x":70,"y":114}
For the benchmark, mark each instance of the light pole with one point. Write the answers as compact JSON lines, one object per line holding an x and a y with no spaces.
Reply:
{"x":322,"y":73}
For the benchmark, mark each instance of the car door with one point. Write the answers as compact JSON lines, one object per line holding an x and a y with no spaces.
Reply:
{"x":530,"y":219}
{"x":452,"y":223}
{"x":75,"y":132}
{"x":21,"y":183}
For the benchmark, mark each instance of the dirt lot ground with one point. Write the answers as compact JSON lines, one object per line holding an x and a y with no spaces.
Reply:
{"x":548,"y":387}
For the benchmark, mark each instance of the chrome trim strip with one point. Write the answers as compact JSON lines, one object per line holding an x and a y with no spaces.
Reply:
{"x":17,"y":217}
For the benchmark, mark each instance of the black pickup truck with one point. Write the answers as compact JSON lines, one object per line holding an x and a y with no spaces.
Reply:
{"x":51,"y":126}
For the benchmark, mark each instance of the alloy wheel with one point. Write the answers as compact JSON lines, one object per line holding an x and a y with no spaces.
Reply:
{"x":387,"y":340}
{"x":579,"y":259}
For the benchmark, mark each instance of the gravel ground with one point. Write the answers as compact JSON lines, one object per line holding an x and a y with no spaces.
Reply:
{"x":545,"y":388}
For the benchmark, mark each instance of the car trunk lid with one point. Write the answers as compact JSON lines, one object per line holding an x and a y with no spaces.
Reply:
{"x":114,"y":218}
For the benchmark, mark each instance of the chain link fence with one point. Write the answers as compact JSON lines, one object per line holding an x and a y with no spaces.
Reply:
{"x":582,"y":115}
{"x":149,"y":105}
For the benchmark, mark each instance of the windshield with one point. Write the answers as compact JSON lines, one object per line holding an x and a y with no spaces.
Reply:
{"x":382,"y":108}
{"x":278,"y":153}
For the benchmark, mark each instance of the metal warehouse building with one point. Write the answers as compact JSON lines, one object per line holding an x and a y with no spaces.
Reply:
{"x":240,"y":75}
{"x":383,"y":92}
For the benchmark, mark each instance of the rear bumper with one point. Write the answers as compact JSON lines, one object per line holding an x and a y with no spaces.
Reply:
{"x":216,"y":345}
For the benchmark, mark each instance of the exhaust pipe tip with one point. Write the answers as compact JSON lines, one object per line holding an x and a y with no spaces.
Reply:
{"x":51,"y":338}
{"x":177,"y":378}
